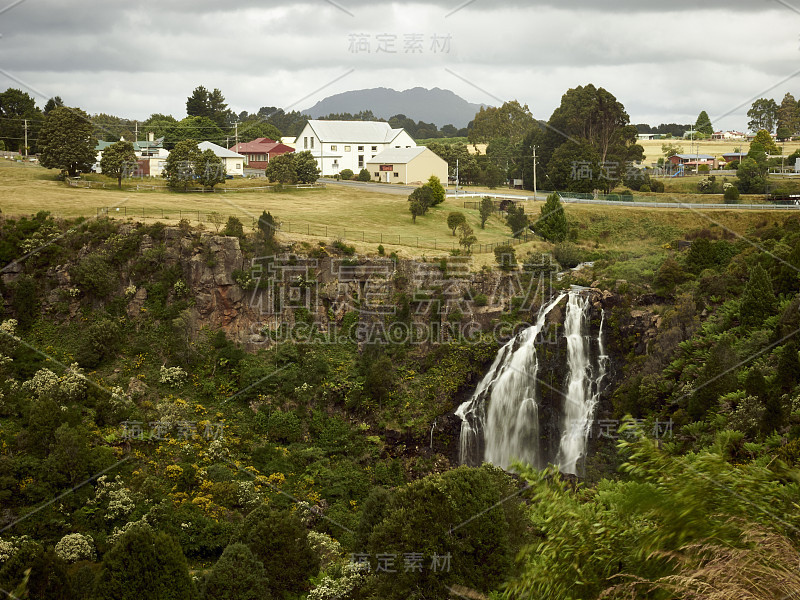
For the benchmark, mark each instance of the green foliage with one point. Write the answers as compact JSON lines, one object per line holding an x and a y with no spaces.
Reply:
{"x":305,"y":167}
{"x":552,"y":224}
{"x":280,"y":541}
{"x":731,"y":195}
{"x":506,"y":257}
{"x":758,"y":300}
{"x":100,"y":341}
{"x":237,"y":575}
{"x":703,"y":124}
{"x":717,"y":378}
{"x":94,"y":275}
{"x":281,"y":169}
{"x":234,"y":228}
{"x":178,"y":170}
{"x":209,"y":170}
{"x":466,"y":237}
{"x":118,"y":160}
{"x":763,"y":115}
{"x":144,"y":564}
{"x":485,"y":210}
{"x":437,"y":190}
{"x":420,"y":201}
{"x":567,"y":254}
{"x":364,"y":175}
{"x":454,"y":219}
{"x":517,"y":220}
{"x":66,"y":141}
{"x":764,"y":141}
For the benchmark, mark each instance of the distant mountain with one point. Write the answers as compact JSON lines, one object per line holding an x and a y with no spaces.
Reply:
{"x":441,"y":107}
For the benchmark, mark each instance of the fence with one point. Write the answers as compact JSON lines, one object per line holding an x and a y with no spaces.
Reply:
{"x":314,"y":230}
{"x":87,"y":184}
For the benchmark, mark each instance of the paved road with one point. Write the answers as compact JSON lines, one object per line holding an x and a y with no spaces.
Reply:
{"x":385,"y":188}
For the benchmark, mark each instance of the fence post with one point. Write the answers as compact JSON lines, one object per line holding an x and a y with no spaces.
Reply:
{"x":326,"y":231}
{"x":362,"y":236}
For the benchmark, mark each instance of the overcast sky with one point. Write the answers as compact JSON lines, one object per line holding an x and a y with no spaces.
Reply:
{"x":664,"y":63}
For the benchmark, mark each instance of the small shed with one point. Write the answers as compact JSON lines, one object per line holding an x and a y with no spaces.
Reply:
{"x":407,"y":165}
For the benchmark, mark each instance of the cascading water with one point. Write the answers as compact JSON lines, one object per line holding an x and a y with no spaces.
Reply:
{"x":501,"y":422}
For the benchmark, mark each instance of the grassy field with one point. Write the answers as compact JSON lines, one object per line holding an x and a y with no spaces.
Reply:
{"x":365,"y":218}
{"x":652,"y":148}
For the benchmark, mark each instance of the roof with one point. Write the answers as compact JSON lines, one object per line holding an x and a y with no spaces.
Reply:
{"x":218,"y":151}
{"x":398,"y":156}
{"x":356,"y":132}
{"x":695,"y":156}
{"x":137,"y":146}
{"x":261,"y":146}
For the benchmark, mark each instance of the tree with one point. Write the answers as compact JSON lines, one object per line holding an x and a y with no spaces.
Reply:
{"x":143,"y":563}
{"x":279,"y":540}
{"x":417,"y":206}
{"x":763,"y":141}
{"x":281,"y":169}
{"x":454,"y":219}
{"x":197,"y":105}
{"x":788,"y":117}
{"x":267,"y":227}
{"x":209,"y":170}
{"x":783,"y":133}
{"x":552,"y":224}
{"x":751,"y":176}
{"x":364,"y":175}
{"x":517,"y":220}
{"x":178,"y":168}
{"x":118,"y":160}
{"x":193,"y":128}
{"x":717,"y":378}
{"x":54,"y":102}
{"x":758,"y":299}
{"x":703,"y":124}
{"x":66,"y":141}
{"x":233,"y":228}
{"x":346,"y":174}
{"x":15,"y":107}
{"x":251,"y":129}
{"x":237,"y":575}
{"x":671,"y":150}
{"x":511,"y":121}
{"x":577,"y":168}
{"x":305,"y":167}
{"x":763,"y":115}
{"x":506,"y":257}
{"x":485,"y":210}
{"x":437,"y":190}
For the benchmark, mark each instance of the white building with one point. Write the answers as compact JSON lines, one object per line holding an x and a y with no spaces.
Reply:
{"x":407,"y":165}
{"x":339,"y":145}
{"x":233,"y":161}
{"x":150,"y":155}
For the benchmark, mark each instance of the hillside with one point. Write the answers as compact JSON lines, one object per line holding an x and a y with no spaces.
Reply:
{"x":438,"y":106}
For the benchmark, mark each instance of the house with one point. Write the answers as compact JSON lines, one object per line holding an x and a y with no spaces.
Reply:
{"x":150,"y":153}
{"x":648,"y":136}
{"x":233,"y":161}
{"x":734,"y":156}
{"x":693,"y":160}
{"x":407,"y":165}
{"x":727,"y":135}
{"x":339,"y":145}
{"x":260,"y":151}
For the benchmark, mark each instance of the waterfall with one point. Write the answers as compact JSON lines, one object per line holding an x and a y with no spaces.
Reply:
{"x":501,"y":422}
{"x":509,"y":430}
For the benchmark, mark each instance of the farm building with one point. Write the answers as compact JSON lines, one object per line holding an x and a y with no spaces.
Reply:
{"x":407,"y":165}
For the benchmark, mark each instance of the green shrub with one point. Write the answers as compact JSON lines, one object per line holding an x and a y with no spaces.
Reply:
{"x":568,"y":255}
{"x":364,"y":175}
{"x":233,"y":228}
{"x":344,"y":248}
{"x":284,"y":427}
{"x":731,"y":194}
{"x":346,"y":174}
{"x":95,"y":275}
{"x":645,"y":188}
{"x":381,"y":250}
{"x":506,"y":257}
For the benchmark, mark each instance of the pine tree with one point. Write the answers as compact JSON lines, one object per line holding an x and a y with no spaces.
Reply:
{"x":758,"y":300}
{"x":552,"y":225}
{"x":703,"y":124}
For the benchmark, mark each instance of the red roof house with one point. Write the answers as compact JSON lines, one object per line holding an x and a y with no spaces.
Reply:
{"x":260,"y":151}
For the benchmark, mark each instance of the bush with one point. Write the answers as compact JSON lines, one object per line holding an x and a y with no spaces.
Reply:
{"x":364,"y":175}
{"x":657,"y":186}
{"x":284,"y":427}
{"x":346,"y":174}
{"x":344,"y":248}
{"x":94,"y":275}
{"x":233,"y":228}
{"x":645,"y":188}
{"x":731,"y":194}
{"x":481,"y":300}
{"x":381,"y":250}
{"x":506,"y":257}
{"x":568,"y":255}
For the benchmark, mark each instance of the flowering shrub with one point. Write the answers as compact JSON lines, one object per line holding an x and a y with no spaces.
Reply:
{"x":181,"y":289}
{"x":172,"y":376}
{"x":350,"y":577}
{"x":74,"y":547}
{"x":120,"y":503}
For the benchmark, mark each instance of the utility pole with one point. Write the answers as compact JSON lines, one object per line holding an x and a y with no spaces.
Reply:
{"x":534,"y":172}
{"x":236,"y":127}
{"x":136,"y":131}
{"x":26,"y":138}
{"x":456,"y":177}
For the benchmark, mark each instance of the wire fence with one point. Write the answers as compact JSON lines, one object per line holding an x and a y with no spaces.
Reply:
{"x":139,"y":187}
{"x":334,"y":232}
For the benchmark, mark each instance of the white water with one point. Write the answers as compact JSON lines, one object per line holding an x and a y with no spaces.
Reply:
{"x":500,"y":423}
{"x":510,"y":429}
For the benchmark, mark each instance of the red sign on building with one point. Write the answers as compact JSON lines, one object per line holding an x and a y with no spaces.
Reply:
{"x":387,"y":167}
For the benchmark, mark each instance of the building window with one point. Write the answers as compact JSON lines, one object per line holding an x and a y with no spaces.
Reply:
{"x":334,"y":148}
{"x":377,"y":174}
{"x":360,"y":161}
{"x":361,"y":148}
{"x":238,"y":166}
{"x":396,"y":174}
{"x":347,"y":148}
{"x":374,"y":148}
{"x":305,"y":143}
{"x":312,"y":143}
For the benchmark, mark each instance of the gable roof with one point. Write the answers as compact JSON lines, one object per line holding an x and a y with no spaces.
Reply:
{"x":399,"y":156}
{"x":356,"y":132}
{"x":261,"y":146}
{"x":218,"y":151}
{"x":695,"y":156}
{"x":137,"y":146}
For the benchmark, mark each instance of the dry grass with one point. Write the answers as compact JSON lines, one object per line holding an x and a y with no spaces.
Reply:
{"x":766,"y":568}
